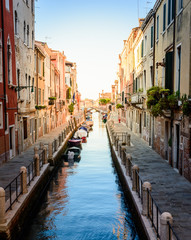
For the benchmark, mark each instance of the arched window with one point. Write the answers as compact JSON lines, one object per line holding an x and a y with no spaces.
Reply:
{"x":9,"y":62}
{"x":16,"y":23}
{"x":27,"y":35}
{"x":24,"y":32}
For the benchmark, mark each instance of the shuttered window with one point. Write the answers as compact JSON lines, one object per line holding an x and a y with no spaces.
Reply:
{"x":152,"y":37}
{"x":168,"y":71}
{"x":164,"y":17}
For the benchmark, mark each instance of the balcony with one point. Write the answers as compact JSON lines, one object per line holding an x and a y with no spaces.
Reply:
{"x":137,"y":99}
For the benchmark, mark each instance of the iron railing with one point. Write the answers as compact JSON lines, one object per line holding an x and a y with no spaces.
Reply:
{"x":30,"y":172}
{"x":13,"y":190}
{"x":154,"y":213}
{"x":172,"y":234}
{"x":139,"y":185}
{"x":41,"y":158}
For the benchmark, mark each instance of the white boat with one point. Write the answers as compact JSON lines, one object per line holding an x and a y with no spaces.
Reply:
{"x":80,"y":133}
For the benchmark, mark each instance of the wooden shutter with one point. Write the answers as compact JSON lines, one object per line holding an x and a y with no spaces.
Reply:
{"x":169,"y":71}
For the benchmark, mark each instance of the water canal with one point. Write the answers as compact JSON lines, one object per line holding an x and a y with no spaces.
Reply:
{"x":85,"y":201}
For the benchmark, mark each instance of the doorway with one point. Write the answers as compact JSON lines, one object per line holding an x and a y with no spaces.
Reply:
{"x":140,"y":124}
{"x":166,"y":140}
{"x":11,"y":142}
{"x":177,"y":144}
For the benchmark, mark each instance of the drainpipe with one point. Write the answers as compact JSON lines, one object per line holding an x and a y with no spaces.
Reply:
{"x":173,"y":78}
{"x":153,"y":74}
{"x":4,"y":77}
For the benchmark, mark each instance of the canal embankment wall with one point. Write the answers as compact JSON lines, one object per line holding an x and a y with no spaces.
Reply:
{"x":143,"y":225}
{"x":19,"y":198}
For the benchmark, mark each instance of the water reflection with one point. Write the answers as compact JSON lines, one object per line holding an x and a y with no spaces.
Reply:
{"x":85,"y":200}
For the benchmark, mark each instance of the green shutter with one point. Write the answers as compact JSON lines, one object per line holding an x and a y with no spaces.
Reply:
{"x":164,"y":17}
{"x":142,"y":48}
{"x":151,"y":36}
{"x":169,"y":71}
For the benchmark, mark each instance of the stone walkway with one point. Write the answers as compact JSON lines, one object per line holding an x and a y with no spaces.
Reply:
{"x":10,"y":169}
{"x":170,"y":190}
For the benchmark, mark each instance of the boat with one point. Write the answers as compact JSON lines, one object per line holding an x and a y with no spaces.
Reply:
{"x":72,"y":153}
{"x":89,"y":122}
{"x":84,"y":128}
{"x":104,"y":118}
{"x":74,"y":142}
{"x":80,"y":133}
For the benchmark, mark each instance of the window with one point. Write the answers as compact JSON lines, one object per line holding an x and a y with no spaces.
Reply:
{"x":35,"y":95}
{"x":18,"y":81}
{"x":27,"y":2}
{"x":145,"y":79}
{"x":156,"y":78}
{"x":164,"y":17}
{"x":25,"y":127}
{"x":145,"y":48}
{"x":24,"y":32}
{"x":157,"y":28}
{"x":32,"y":40}
{"x":29,"y":87}
{"x":27,"y":35}
{"x":180,"y":5}
{"x":32,"y":6}
{"x":152,"y":37}
{"x":151,"y":76}
{"x":39,"y":66}
{"x":16,"y":23}
{"x":7,"y":4}
{"x":9,"y":62}
{"x":178,"y":68}
{"x":145,"y":119}
{"x":170,"y":11}
{"x":35,"y":63}
{"x":1,"y":115}
{"x":43,"y":96}
{"x":142,"y":48}
{"x":39,"y":96}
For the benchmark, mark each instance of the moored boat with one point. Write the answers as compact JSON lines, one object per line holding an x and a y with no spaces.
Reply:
{"x":72,"y":153}
{"x":74,"y":142}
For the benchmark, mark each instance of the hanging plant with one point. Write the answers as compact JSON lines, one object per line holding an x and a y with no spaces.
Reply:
{"x":173,"y":101}
{"x":52,"y":98}
{"x":119,"y":106}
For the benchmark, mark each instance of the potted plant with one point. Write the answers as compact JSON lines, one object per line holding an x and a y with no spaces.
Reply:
{"x":51,"y":100}
{"x":71,"y":108}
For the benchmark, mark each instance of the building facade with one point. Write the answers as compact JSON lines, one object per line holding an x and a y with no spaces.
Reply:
{"x":161,"y":60}
{"x":24,"y":50}
{"x":8,"y":96}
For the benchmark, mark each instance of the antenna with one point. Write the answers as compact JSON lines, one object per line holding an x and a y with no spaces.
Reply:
{"x":138,"y":8}
{"x":147,"y":6}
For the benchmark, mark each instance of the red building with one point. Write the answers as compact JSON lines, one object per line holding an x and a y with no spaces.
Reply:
{"x":8,"y":95}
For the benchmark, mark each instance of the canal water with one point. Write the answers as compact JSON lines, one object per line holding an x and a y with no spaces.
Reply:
{"x":85,"y":201}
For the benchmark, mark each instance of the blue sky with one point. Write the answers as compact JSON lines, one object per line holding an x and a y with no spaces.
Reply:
{"x":91,"y":33}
